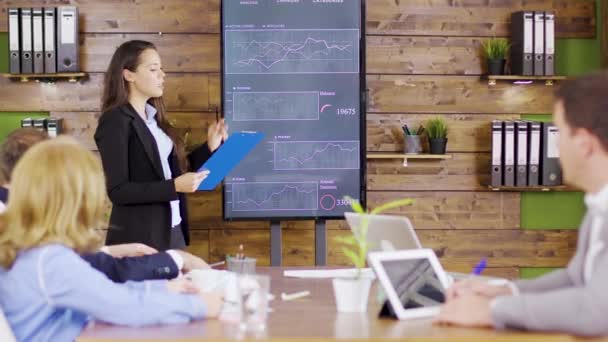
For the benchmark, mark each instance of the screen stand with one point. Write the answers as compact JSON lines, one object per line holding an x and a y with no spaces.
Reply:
{"x":320,"y":243}
{"x":275,"y":243}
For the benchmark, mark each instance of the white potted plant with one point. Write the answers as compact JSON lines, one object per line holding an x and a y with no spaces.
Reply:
{"x":352,"y":294}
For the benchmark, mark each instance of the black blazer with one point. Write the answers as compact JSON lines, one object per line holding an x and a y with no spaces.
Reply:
{"x":119,"y":270}
{"x":135,"y":180}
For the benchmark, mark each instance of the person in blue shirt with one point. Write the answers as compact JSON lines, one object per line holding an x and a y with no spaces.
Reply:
{"x":47,"y":291}
{"x":120,"y":263}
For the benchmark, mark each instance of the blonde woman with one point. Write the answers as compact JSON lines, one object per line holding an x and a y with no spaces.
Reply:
{"x":47,"y":291}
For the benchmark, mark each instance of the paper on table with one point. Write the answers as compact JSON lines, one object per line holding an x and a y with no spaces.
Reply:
{"x":336,"y":273}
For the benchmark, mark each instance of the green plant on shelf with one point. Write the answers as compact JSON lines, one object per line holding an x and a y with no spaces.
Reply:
{"x":437,"y":128}
{"x":496,"y":48}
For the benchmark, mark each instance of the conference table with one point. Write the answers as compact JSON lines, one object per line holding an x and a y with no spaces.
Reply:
{"x":312,"y":318}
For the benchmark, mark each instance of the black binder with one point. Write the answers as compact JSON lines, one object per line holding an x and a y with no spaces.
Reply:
{"x":13,"y":41}
{"x":539,"y":43}
{"x":521,"y":155}
{"x":39,"y":123}
{"x":50,"y":58}
{"x":27,"y":64}
{"x":551,"y":170}
{"x":497,"y":170}
{"x":549,"y":43}
{"x":522,"y":43}
{"x":67,"y":39}
{"x":38,"y":40}
{"x":509,"y":153}
{"x":534,"y":149}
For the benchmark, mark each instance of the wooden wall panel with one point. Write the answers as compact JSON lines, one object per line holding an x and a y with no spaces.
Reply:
{"x":454,"y":210}
{"x":431,"y":210}
{"x":464,"y":172}
{"x":474,"y":17}
{"x":467,"y":133}
{"x":183,"y":92}
{"x":411,"y":17}
{"x":82,"y":125}
{"x":462,"y":249}
{"x":423,"y":61}
{"x":179,"y":52}
{"x":424,"y":55}
{"x":454,"y":94}
{"x":199,"y":243}
{"x":388,"y":94}
{"x":151,"y":16}
{"x":256,"y":244}
{"x":299,"y":246}
{"x":385,"y":54}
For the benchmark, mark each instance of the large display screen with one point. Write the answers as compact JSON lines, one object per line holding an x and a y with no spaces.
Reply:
{"x":293,"y":70}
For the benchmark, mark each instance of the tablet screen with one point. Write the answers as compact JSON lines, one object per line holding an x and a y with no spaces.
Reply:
{"x":415,"y":282}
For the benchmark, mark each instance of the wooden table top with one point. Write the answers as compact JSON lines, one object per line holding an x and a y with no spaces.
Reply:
{"x":311,"y":318}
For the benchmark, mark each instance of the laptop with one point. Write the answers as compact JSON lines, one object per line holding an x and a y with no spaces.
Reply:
{"x":393,"y":233}
{"x":413,"y":281}
{"x":385,"y":232}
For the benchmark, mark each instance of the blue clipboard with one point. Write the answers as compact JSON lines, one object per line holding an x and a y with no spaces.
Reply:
{"x":228,"y":156}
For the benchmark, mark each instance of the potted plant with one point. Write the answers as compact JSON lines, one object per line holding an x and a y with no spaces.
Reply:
{"x":437,"y":132}
{"x":496,"y":51}
{"x":352,"y":293}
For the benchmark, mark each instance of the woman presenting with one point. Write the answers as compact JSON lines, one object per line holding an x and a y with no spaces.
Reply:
{"x":142,"y":160}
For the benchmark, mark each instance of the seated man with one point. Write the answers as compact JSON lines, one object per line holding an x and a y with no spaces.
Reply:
{"x":573,"y":300}
{"x":119,"y":262}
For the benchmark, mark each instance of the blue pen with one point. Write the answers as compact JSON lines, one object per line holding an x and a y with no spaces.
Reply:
{"x":481,"y":265}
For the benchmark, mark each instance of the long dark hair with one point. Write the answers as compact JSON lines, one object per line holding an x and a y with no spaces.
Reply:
{"x":116,"y":90}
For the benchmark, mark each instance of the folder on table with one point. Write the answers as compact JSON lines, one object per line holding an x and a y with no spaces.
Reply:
{"x":521,"y":157}
{"x":50,"y":60}
{"x":13,"y":41}
{"x":534,"y":136}
{"x":38,"y":40}
{"x":509,"y":154}
{"x":497,"y":170}
{"x":228,"y":156}
{"x":539,"y":43}
{"x":522,"y":43}
{"x":551,"y":170}
{"x":67,"y":39}
{"x":27,"y":66}
{"x":549,"y":43}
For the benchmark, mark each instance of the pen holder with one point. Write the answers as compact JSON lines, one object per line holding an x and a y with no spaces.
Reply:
{"x":241,"y":266}
{"x":413,"y":144}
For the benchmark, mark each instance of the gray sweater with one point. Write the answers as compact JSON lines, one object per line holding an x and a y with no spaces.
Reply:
{"x":561,"y":301}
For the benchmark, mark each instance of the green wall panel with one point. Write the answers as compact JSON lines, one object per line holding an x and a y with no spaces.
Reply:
{"x":554,"y":210}
{"x":562,"y":210}
{"x":10,"y":121}
{"x":528,"y":273}
{"x":3,"y":52}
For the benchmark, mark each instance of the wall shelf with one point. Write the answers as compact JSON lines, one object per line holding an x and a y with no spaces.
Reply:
{"x":405,"y":157}
{"x":520,"y":79}
{"x":48,"y":78}
{"x":531,"y":188}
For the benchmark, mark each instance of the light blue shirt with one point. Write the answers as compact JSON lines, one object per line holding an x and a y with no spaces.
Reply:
{"x":50,"y":293}
{"x":165,"y":146}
